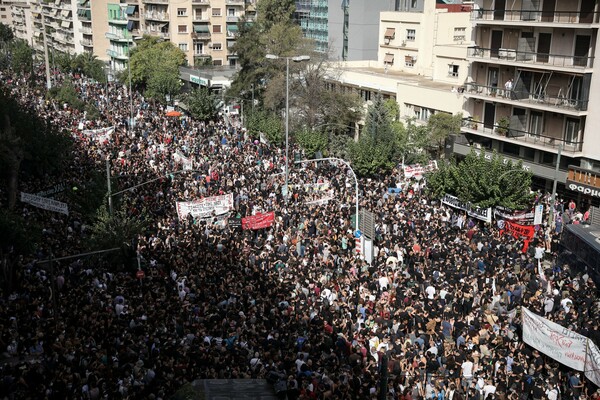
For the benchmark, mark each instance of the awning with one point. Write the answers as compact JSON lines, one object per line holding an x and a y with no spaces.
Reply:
{"x":37,"y":34}
{"x":130,"y":10}
{"x":201,"y":28}
{"x":65,"y":13}
{"x":232,"y":27}
{"x":389,"y":58}
{"x":129,"y":25}
{"x":409,"y":58}
{"x":390,"y":33}
{"x":65,"y":24}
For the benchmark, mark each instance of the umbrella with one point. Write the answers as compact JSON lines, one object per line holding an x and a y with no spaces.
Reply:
{"x":173,"y":114}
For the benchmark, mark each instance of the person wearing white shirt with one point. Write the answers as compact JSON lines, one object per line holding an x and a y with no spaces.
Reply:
{"x":430,"y":290}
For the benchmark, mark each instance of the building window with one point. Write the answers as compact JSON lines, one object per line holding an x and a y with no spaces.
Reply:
{"x":181,"y":12}
{"x":216,"y":12}
{"x":217,"y":63}
{"x":388,"y":59}
{"x":460,"y":34}
{"x":413,"y":4}
{"x":409,"y":61}
{"x":183,"y":46}
{"x":231,"y":12}
{"x":411,"y":35}
{"x":199,"y":48}
{"x":217,"y":46}
{"x":426,"y":113}
{"x":182,"y":29}
{"x":572,"y":131}
{"x":453,"y":70}
{"x":216,"y":28}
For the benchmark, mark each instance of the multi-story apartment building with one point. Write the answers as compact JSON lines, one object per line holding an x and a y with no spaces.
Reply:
{"x":421,"y":63}
{"x":20,"y":18}
{"x":204,"y":29}
{"x":342,"y":29}
{"x":532,"y":90}
{"x":5,"y":13}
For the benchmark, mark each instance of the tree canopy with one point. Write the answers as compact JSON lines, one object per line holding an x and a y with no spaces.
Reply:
{"x":483,"y":182}
{"x":21,"y":56}
{"x":155,"y":67}
{"x":6,"y":34}
{"x":202,"y":104}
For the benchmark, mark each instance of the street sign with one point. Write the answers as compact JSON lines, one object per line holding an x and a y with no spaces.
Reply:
{"x":357,"y":234}
{"x":140,"y":274}
{"x":366,"y":223}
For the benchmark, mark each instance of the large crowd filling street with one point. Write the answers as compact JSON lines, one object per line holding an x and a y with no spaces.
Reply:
{"x":293,"y":303}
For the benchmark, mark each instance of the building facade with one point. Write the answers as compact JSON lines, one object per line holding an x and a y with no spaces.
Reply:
{"x":531,"y":89}
{"x":344,"y":30}
{"x":421,"y":62}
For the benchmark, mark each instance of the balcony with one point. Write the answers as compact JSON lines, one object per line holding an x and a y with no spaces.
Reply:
{"x":203,"y":2}
{"x":156,"y":16}
{"x":164,"y":35}
{"x":118,"y":21}
{"x":117,"y":37}
{"x":232,"y":18}
{"x":235,"y":2}
{"x":542,"y":100}
{"x":201,"y":35}
{"x":117,"y":55}
{"x":85,"y":31}
{"x":135,"y":15}
{"x":512,"y":57}
{"x":520,"y":137}
{"x":86,"y":43}
{"x":155,"y":1}
{"x":201,"y":18}
{"x":528,"y":17}
{"x":201,"y":55}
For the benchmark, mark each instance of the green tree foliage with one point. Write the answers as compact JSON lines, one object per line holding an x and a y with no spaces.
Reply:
{"x":117,"y":230}
{"x":66,"y":93}
{"x":441,"y":125}
{"x":22,"y":56}
{"x":155,"y":67}
{"x":311,"y":141}
{"x":412,"y":140}
{"x":6,"y":34}
{"x":28,"y":145}
{"x":267,"y":123}
{"x":393,"y":108}
{"x":485,"y":183}
{"x":377,"y":149}
{"x":88,"y":65}
{"x":202,"y":104}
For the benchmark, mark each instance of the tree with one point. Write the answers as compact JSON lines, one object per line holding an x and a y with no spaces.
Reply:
{"x":265,"y":122}
{"x":311,"y":141}
{"x":484,"y":182}
{"x":441,"y":125}
{"x":155,"y":67}
{"x":202,"y":104}
{"x":6,"y":34}
{"x":22,"y":56}
{"x":377,"y":148}
{"x":28,"y":145}
{"x":66,"y":93}
{"x":412,"y":140}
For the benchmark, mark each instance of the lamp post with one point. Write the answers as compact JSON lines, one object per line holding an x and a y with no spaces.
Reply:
{"x":287,"y":111}
{"x":353,"y":175}
{"x":129,"y":44}
{"x":554,"y":184}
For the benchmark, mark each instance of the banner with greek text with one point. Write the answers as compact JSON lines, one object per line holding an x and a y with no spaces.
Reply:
{"x":520,"y":217}
{"x":258,"y":221}
{"x":417,"y":170}
{"x":561,"y":344}
{"x":206,"y":207}
{"x":59,"y":187}
{"x":45,"y":203}
{"x":183,"y":160}
{"x":484,"y":214}
{"x":592,"y":363}
{"x":321,"y":201}
{"x":101,"y":135}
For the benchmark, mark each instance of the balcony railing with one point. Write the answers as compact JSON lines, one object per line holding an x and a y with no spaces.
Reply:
{"x":234,"y":2}
{"x":155,"y":1}
{"x":201,"y":35}
{"x":232,"y":18}
{"x":541,"y":98}
{"x":526,"y":57}
{"x":559,"y":17}
{"x":158,"y":16}
{"x":87,"y":43}
{"x":201,"y":18}
{"x":470,"y":124}
{"x":206,"y":2}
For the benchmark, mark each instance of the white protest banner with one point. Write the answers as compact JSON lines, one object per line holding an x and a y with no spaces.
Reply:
{"x":183,"y":160}
{"x":45,"y":203}
{"x":263,"y":138}
{"x":206,"y":207}
{"x":319,"y":202}
{"x":520,"y":217}
{"x":101,"y":135}
{"x":539,"y":211}
{"x":418,"y":170}
{"x":484,"y":214}
{"x":563,"y":345}
{"x":592,"y":363}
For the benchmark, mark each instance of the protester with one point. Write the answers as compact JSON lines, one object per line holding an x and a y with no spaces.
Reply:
{"x":292,"y":303}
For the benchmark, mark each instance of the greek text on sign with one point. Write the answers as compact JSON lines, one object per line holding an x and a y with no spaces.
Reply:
{"x":484,"y":214}
{"x":206,"y":207}
{"x":45,"y":203}
{"x":576,"y":187}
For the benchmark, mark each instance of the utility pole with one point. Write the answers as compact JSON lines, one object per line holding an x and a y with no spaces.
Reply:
{"x":47,"y":63}
{"x":553,"y":199}
{"x":110,"y":204}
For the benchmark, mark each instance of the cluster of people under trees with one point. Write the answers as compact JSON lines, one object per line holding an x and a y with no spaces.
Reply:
{"x":436,"y":313}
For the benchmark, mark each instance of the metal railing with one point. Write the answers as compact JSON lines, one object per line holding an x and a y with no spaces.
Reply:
{"x":155,"y":1}
{"x":521,"y":136}
{"x":561,"y":17}
{"x":540,"y":98}
{"x":526,"y":57}
{"x":156,"y":15}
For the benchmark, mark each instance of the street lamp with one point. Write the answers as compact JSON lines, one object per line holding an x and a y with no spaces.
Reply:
{"x":287,"y":111}
{"x":353,"y":175}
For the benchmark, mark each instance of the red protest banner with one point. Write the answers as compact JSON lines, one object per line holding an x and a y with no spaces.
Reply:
{"x":518,"y":231}
{"x":258,"y":221}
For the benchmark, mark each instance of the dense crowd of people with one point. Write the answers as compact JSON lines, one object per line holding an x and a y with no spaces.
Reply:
{"x":436,"y":313}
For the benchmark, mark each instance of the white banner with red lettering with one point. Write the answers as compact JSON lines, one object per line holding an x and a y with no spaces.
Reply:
{"x":563,"y":345}
{"x":206,"y":207}
{"x":417,"y":170}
